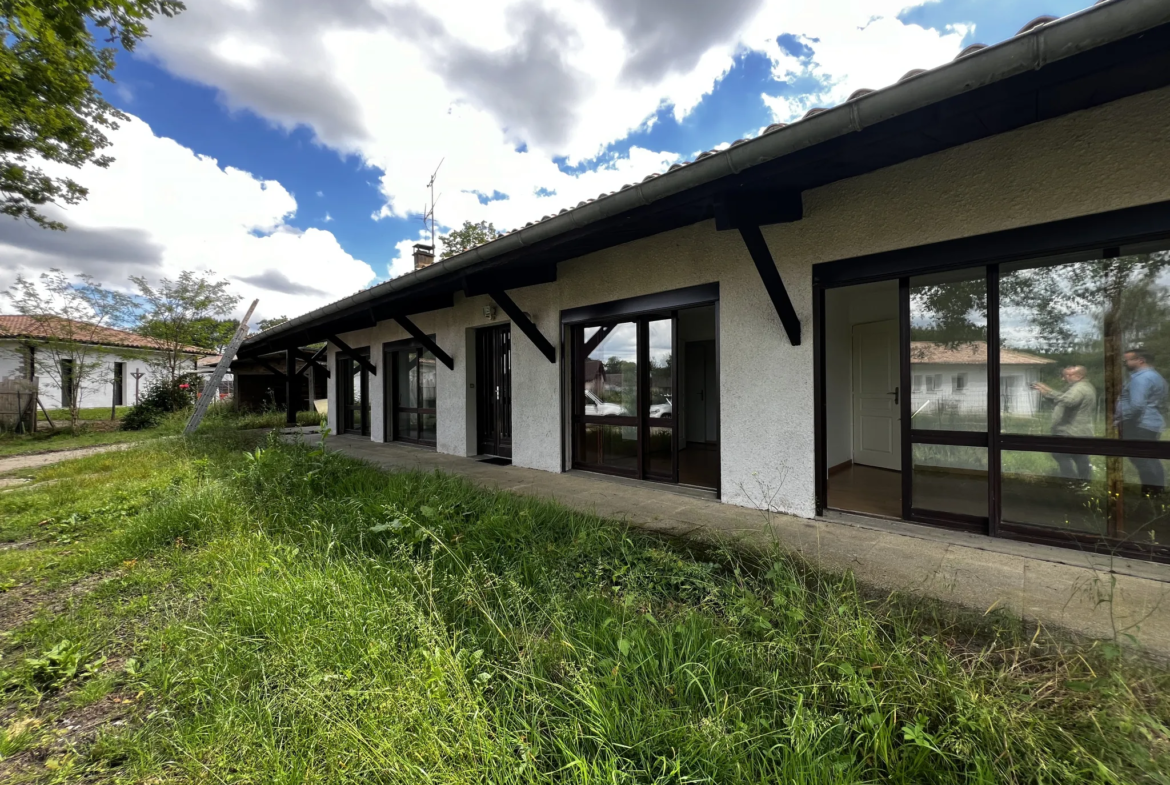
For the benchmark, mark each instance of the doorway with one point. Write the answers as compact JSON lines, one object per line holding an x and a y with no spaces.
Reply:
{"x":493,"y":384}
{"x":646,"y":396}
{"x":411,"y":395}
{"x":863,"y":396}
{"x":354,"y":391}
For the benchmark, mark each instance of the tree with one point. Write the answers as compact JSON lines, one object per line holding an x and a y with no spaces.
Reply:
{"x":467,"y":237}
{"x":69,"y":319}
{"x":209,"y":333}
{"x":50,"y":109}
{"x":268,"y":324}
{"x":177,"y":312}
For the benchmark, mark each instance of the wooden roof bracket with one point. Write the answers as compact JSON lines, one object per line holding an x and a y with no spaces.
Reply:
{"x":351,"y":354}
{"x":521,"y":320}
{"x":747,"y":212}
{"x":426,"y":341}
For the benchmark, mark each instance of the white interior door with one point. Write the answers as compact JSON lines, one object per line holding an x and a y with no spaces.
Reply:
{"x":877,"y":432}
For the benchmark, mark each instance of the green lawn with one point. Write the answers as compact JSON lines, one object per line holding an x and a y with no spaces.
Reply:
{"x":215,"y":613}
{"x":61,"y":416}
{"x":64,"y":439}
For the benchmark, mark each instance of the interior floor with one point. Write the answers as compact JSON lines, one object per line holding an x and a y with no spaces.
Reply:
{"x":866,"y":489}
{"x":698,"y":465}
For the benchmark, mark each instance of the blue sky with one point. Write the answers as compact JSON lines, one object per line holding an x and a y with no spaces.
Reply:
{"x":333,"y":116}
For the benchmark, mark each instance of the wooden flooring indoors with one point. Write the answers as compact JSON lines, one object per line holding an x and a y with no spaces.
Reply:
{"x":866,"y":489}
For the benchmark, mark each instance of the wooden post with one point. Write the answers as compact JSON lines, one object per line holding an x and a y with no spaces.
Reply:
{"x":290,"y":387}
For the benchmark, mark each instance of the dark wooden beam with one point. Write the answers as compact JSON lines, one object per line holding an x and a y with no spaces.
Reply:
{"x":264,"y":363}
{"x":753,"y":238}
{"x":757,"y":208}
{"x":311,"y":361}
{"x":521,"y":320}
{"x":426,"y":341}
{"x":351,"y":354}
{"x":290,"y":387}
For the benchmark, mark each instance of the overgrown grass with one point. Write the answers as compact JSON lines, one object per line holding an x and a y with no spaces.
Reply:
{"x":64,"y":439}
{"x":282,"y":615}
{"x":60,"y":416}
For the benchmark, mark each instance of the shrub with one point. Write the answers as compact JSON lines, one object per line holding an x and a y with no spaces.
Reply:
{"x":162,"y":398}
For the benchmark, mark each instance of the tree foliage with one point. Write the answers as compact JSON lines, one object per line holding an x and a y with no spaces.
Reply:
{"x":50,"y":109}
{"x":268,"y":324}
{"x":70,"y":315}
{"x":467,"y":237}
{"x":178,"y":313}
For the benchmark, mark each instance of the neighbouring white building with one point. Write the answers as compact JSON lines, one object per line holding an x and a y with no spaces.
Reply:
{"x":125,"y":359}
{"x":741,"y":324}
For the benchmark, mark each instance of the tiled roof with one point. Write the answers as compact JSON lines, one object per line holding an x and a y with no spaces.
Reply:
{"x":53,"y":327}
{"x":968,"y":354}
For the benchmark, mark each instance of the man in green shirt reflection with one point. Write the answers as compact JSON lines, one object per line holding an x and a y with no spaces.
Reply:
{"x":1072,"y":416}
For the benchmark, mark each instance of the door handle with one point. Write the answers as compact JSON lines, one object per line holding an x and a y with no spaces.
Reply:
{"x":895,"y":394}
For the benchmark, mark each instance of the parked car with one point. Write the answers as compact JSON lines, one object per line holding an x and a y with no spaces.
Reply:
{"x":599,"y":408}
{"x":662,"y":410}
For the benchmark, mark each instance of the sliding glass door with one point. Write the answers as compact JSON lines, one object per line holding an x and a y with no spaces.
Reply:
{"x":353,"y":387}
{"x":411,"y":395}
{"x":1034,"y":405}
{"x":624,"y":393}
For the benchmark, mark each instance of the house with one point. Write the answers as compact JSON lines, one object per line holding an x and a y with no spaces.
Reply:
{"x":126,"y":360}
{"x":760,"y":302}
{"x":950,"y":379}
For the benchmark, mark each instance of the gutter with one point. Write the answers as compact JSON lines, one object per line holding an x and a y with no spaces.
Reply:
{"x":1103,"y":23}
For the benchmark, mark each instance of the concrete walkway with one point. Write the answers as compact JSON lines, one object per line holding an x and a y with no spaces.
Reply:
{"x":1090,"y":594}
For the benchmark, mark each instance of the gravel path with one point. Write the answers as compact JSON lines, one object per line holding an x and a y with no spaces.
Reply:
{"x":46,"y":458}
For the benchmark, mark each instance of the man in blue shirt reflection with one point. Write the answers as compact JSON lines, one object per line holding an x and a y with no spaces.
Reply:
{"x":1140,"y":415}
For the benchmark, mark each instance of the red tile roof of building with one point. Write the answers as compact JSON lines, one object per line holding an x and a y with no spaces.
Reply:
{"x":968,"y":354}
{"x":84,"y":332}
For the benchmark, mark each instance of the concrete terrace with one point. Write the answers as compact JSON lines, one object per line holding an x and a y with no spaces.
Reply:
{"x":1053,"y":586}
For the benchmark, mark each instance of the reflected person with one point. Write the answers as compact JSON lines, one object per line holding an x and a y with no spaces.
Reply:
{"x":1140,"y":415}
{"x":1073,"y":417}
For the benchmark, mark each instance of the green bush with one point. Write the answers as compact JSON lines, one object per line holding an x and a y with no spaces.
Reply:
{"x":162,"y":398}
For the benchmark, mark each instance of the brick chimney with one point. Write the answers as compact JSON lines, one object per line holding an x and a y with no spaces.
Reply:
{"x":424,"y":256}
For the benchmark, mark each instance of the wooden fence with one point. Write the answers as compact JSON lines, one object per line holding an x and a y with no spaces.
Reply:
{"x":18,"y":405}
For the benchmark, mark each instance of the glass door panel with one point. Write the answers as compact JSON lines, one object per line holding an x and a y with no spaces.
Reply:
{"x":948,"y":406}
{"x":610,"y":380}
{"x":413,"y":396}
{"x":948,"y":351}
{"x":659,"y":400}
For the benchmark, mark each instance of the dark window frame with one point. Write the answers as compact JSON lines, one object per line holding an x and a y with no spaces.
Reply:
{"x":345,"y":377}
{"x":392,"y":354}
{"x":1102,"y":234}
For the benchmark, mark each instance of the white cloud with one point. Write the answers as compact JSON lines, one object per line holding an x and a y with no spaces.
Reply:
{"x":405,"y":84}
{"x":160,"y":209}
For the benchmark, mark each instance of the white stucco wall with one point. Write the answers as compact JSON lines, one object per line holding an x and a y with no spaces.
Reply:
{"x":1033,"y":175}
{"x":97,"y":390}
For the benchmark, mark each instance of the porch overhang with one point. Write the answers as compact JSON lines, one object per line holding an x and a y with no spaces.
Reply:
{"x":1113,"y":50}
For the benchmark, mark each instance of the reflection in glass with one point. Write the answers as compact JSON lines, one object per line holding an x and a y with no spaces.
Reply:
{"x":426,"y":380}
{"x":950,"y":478}
{"x":1039,"y":490}
{"x":614,"y":446}
{"x":414,"y":395}
{"x":1067,"y":330}
{"x":948,"y":351}
{"x":610,"y":384}
{"x":661,"y":354}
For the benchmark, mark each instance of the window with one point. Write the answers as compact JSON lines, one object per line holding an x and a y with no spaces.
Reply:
{"x":917,"y":382}
{"x":412,"y":378}
{"x":67,"y":384}
{"x":30,"y":359}
{"x":959,"y":382}
{"x":119,"y":383}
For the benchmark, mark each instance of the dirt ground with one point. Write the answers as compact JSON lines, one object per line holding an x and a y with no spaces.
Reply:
{"x":44,"y":459}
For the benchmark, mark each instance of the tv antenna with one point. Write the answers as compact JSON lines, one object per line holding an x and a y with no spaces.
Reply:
{"x":429,"y":214}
